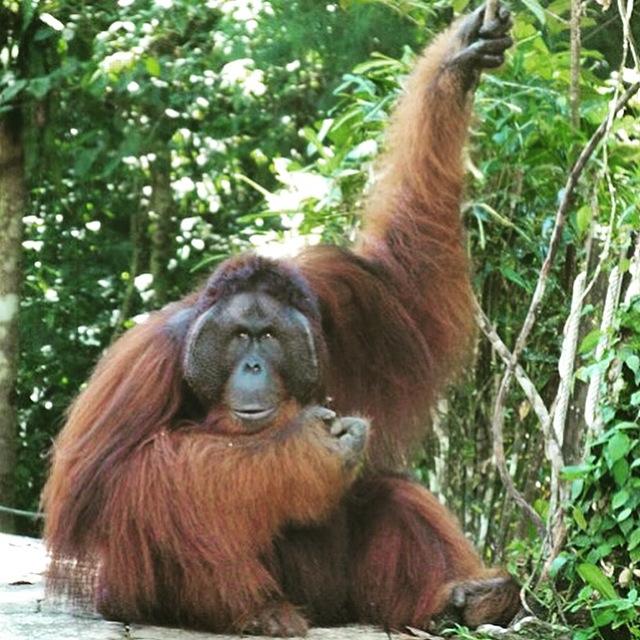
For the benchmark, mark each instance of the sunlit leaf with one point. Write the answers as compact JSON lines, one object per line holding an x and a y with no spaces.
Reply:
{"x":594,"y":577}
{"x":152,"y":65}
{"x":578,"y":516}
{"x":617,"y":447}
{"x":590,"y":341}
{"x":536,"y":8}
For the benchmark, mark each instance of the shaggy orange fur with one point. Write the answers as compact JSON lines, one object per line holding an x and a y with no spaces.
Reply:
{"x":158,"y":513}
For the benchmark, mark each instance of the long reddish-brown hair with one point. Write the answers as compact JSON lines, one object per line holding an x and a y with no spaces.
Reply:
{"x":151,"y":507}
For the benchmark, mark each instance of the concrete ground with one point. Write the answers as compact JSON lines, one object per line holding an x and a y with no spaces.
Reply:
{"x":26,"y":615}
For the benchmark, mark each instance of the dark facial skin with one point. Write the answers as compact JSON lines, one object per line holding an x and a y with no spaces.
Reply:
{"x":250,"y":353}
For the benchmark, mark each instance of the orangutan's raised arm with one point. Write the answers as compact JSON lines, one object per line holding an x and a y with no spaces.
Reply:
{"x":398,"y":307}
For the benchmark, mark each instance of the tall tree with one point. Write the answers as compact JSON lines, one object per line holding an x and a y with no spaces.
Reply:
{"x":19,"y":24}
{"x":12,"y":192}
{"x":161,"y":208}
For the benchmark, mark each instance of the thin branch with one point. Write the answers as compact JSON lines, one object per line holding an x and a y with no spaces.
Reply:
{"x":490,"y":11}
{"x":628,"y":42}
{"x":527,"y":386}
{"x":516,"y":496}
{"x":34,"y":515}
{"x":498,"y":436}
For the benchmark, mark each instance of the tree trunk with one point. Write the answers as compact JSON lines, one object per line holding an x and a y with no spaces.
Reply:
{"x":137,"y":233}
{"x":12,"y":198}
{"x":160,"y":209}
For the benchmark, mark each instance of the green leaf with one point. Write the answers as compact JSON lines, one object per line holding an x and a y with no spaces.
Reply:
{"x":560,"y":7}
{"x":84,"y":160}
{"x":576,"y":471}
{"x":152,"y":65}
{"x":578,"y":516}
{"x":592,"y":575}
{"x":617,"y":447}
{"x":315,"y":141}
{"x":626,"y":524}
{"x":522,"y":29}
{"x":12,"y":90}
{"x":615,"y":540}
{"x":583,"y":219}
{"x":39,"y":87}
{"x":601,"y":551}
{"x":459,"y":5}
{"x":542,"y":507}
{"x":590,"y":341}
{"x":603,"y":618}
{"x":626,"y":424}
{"x":27,"y":9}
{"x":621,"y":472}
{"x":634,"y":539}
{"x":624,"y":514}
{"x":536,"y":8}
{"x":620,"y":499}
{"x":557,"y":564}
{"x":576,"y":488}
{"x":515,"y":277}
{"x":633,"y":362}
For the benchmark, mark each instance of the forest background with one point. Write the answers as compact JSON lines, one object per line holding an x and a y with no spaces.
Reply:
{"x":143,"y":141}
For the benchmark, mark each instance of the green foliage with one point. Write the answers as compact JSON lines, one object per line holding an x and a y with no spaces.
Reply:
{"x":604,"y":552}
{"x":270,"y":115}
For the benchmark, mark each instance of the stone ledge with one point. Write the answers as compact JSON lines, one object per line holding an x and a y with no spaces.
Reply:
{"x":24,"y":614}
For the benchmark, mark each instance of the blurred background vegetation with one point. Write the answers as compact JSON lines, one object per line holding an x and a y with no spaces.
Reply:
{"x":153,"y":138}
